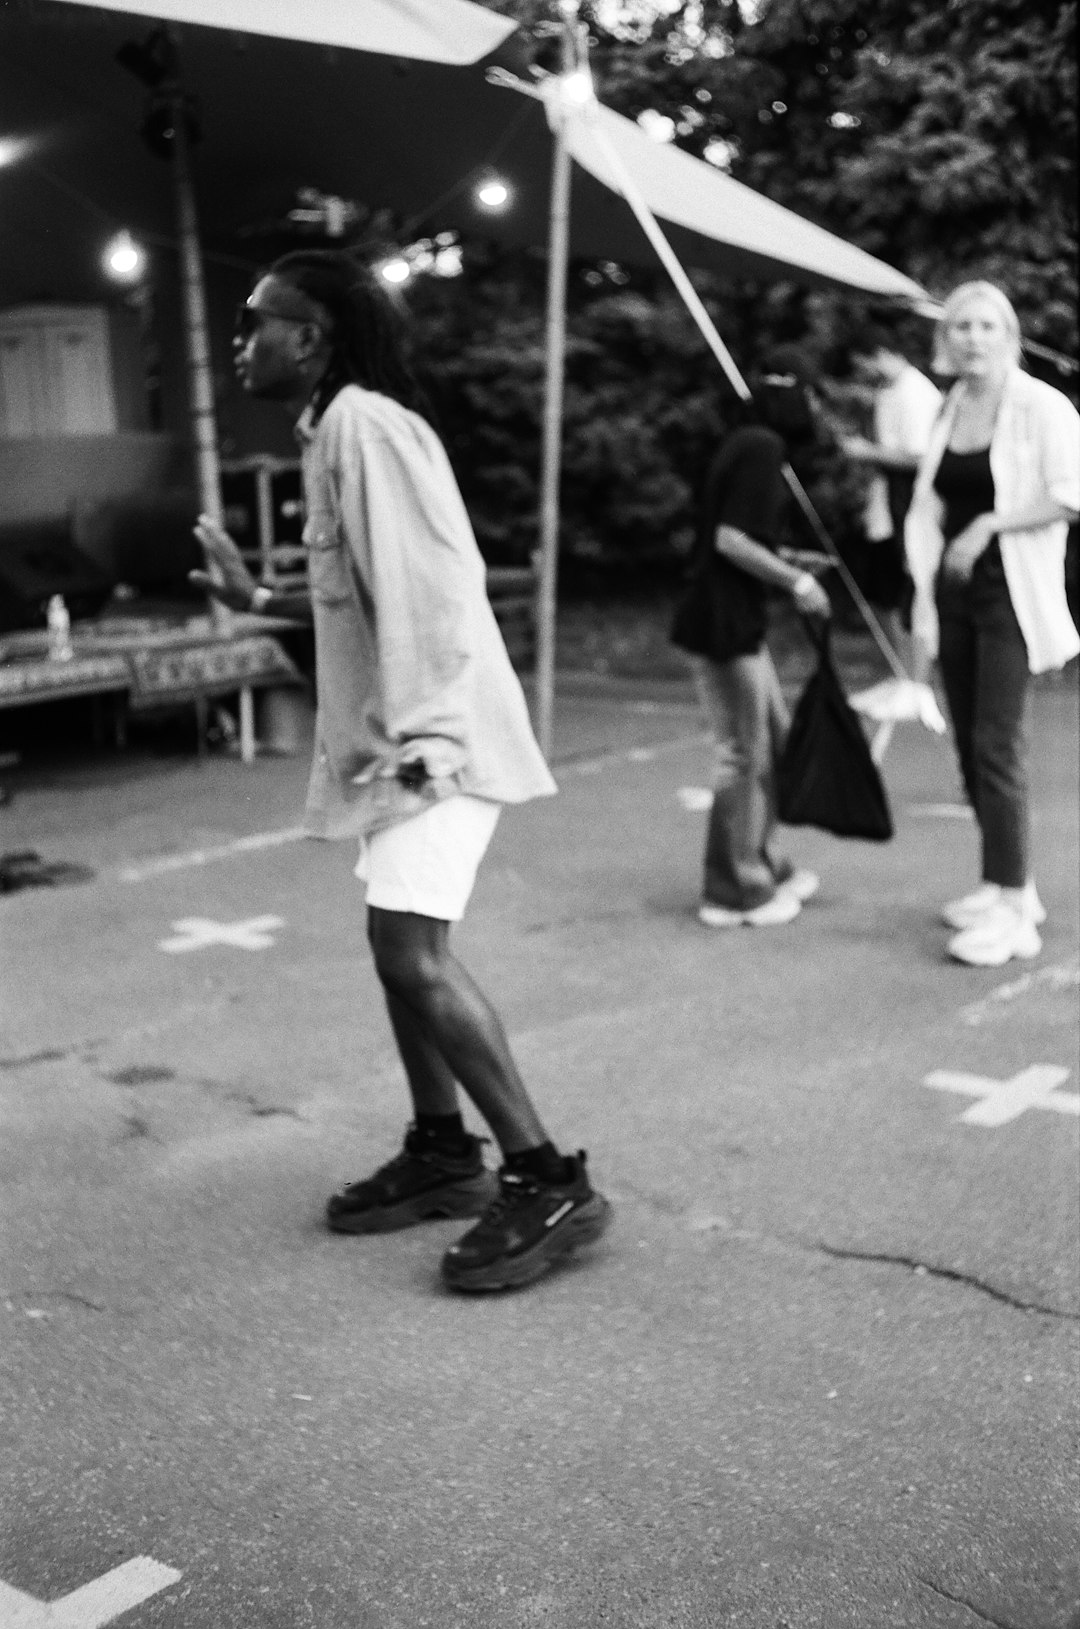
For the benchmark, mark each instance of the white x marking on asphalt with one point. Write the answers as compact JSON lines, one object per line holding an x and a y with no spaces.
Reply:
{"x":1005,"y":1100}
{"x":95,"y":1604}
{"x":197,"y":932}
{"x":695,"y":799}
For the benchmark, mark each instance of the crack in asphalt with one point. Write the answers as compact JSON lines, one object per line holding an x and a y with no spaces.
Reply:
{"x":960,"y":1600}
{"x":53,"y":1055}
{"x":555,"y":922}
{"x":73,"y":1296}
{"x":258,"y":1111}
{"x":952,"y":1274}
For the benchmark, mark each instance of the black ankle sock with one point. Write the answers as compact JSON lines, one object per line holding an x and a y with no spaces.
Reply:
{"x":444,"y":1130}
{"x":543,"y":1162}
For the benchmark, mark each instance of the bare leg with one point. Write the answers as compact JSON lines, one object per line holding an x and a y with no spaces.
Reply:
{"x":437,"y":1009}
{"x":431,"y":1081}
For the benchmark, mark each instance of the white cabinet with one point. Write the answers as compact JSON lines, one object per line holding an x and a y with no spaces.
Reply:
{"x":56,"y":372}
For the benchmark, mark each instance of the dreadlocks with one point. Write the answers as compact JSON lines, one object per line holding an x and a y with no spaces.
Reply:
{"x":366,"y":337}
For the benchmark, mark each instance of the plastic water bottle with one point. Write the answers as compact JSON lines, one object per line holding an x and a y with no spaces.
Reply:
{"x":58,"y":622}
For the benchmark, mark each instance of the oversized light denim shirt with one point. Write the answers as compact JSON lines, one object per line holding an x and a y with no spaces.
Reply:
{"x":1034,"y":455}
{"x":410,"y":663}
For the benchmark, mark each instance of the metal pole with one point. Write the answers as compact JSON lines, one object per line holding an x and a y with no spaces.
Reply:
{"x":201,"y":374}
{"x":551,"y":455}
{"x":196,"y":328}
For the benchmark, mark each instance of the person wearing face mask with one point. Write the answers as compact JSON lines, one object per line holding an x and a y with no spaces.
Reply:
{"x":985,"y":540}
{"x":721,"y":624}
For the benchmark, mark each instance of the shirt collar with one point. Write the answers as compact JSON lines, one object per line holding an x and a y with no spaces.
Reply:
{"x":304,"y":428}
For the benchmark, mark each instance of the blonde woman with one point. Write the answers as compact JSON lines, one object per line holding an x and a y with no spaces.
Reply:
{"x":985,"y":539}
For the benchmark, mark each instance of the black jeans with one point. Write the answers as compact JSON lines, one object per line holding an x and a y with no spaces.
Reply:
{"x":984,"y":670}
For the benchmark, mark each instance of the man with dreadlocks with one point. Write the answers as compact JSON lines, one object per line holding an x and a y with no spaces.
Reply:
{"x":422,"y":735}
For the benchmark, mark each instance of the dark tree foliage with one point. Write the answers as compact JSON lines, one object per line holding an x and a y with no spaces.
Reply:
{"x":642,"y":410}
{"x":939,"y":135}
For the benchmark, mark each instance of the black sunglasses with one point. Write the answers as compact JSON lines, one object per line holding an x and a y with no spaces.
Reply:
{"x":250,"y":318}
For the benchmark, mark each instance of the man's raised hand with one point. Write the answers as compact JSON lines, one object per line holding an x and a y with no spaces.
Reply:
{"x":227,"y":578}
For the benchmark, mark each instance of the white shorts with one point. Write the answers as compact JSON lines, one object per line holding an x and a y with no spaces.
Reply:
{"x":427,"y":865}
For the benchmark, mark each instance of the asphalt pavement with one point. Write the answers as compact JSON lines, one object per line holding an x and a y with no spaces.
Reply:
{"x":821,"y":1373}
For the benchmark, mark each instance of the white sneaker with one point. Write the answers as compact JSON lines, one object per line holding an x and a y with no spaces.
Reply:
{"x":964,"y":913}
{"x":784,"y":906}
{"x":1000,"y":933}
{"x":803,"y":884}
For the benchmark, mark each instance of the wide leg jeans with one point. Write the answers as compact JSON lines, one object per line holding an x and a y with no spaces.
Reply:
{"x":749,"y":720}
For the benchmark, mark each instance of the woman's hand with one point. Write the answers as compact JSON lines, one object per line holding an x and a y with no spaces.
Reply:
{"x":810,"y":598}
{"x":967,"y":546}
{"x":228,"y":579}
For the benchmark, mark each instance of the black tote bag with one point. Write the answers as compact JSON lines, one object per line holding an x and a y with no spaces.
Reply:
{"x":826,"y":776}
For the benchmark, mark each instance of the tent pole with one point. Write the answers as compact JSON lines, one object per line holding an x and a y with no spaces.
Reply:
{"x":551,"y":454}
{"x":196,"y":328}
{"x":200,"y":373}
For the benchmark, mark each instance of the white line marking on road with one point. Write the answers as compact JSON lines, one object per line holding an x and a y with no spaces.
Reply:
{"x":95,"y":1604}
{"x":197,"y":932}
{"x":694,"y":799}
{"x":163,"y":865}
{"x":1005,"y":1100}
{"x":941,"y":811}
{"x":1062,"y":976}
{"x":203,"y":856}
{"x":602,"y":760}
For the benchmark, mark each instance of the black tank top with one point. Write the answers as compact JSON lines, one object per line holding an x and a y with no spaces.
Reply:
{"x":965,"y":484}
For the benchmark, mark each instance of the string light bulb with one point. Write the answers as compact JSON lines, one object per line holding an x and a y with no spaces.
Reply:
{"x":396,"y":270}
{"x":12,"y":149}
{"x":493,"y":192}
{"x":124,"y":259}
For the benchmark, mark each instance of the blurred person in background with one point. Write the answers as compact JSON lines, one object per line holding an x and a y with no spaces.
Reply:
{"x":985,"y":541}
{"x":905,"y":404}
{"x":721,"y":624}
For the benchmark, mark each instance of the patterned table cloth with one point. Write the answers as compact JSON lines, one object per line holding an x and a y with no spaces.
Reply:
{"x":157,"y":665}
{"x":163,"y":677}
{"x":29,"y":680}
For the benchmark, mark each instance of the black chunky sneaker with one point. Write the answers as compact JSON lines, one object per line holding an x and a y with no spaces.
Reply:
{"x":530,"y":1227}
{"x":420,"y":1184}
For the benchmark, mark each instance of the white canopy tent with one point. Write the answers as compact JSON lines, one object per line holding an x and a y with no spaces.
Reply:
{"x":704,"y":216}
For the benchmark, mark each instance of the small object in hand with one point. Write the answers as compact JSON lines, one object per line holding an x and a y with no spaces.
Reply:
{"x":412,"y":775}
